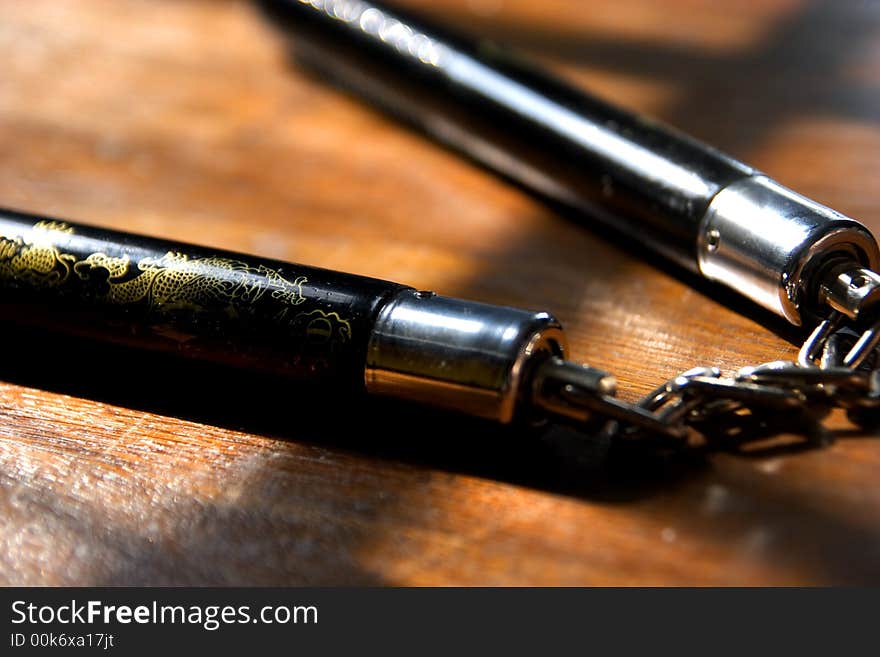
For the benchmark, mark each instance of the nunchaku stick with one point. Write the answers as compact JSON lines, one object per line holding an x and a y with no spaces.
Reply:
{"x":311,"y":325}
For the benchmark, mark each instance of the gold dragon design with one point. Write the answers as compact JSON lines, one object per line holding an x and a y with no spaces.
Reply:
{"x":172,"y":282}
{"x":321,"y":327}
{"x":38,"y":262}
{"x":177,"y":282}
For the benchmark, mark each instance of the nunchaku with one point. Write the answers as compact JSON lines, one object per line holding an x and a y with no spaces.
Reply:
{"x":707,"y":212}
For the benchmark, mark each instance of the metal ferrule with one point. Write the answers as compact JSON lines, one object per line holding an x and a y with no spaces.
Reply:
{"x":767,"y":242}
{"x":459,"y":355}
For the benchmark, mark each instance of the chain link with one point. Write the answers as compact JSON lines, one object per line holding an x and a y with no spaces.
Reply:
{"x":836,"y":368}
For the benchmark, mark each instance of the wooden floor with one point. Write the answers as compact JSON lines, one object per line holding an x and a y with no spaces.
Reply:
{"x":186,"y":120}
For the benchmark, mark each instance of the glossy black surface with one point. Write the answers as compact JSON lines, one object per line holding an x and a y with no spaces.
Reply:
{"x":635,"y":175}
{"x":216,"y":306}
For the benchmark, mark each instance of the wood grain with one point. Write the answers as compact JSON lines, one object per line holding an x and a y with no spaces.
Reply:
{"x":186,"y":120}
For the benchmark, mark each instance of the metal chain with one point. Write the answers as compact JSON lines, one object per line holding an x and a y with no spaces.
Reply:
{"x":836,"y":368}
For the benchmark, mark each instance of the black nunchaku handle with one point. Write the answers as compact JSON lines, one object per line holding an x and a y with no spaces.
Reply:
{"x":226,"y":308}
{"x":634,"y":174}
